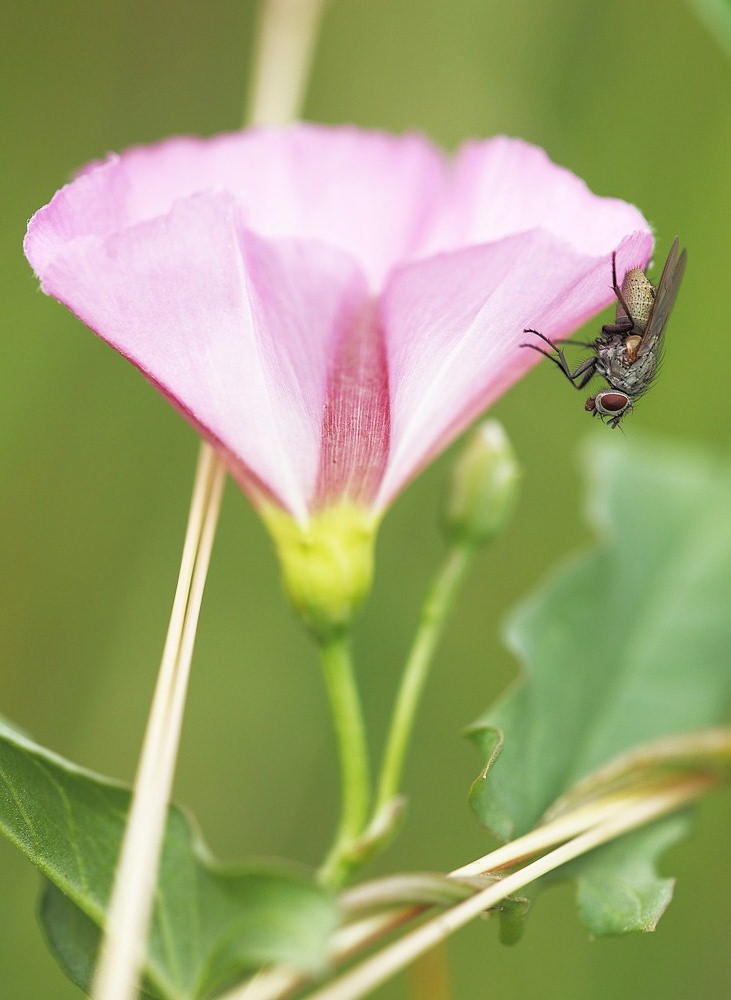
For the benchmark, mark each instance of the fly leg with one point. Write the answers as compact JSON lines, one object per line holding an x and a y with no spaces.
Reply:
{"x":578,"y":378}
{"x":623,"y":324}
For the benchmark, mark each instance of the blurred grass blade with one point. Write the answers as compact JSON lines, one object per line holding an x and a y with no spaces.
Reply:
{"x":715,"y":15}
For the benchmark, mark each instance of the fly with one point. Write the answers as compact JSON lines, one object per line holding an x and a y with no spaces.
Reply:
{"x":627,"y":353}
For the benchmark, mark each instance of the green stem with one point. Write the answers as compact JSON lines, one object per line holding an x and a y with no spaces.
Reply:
{"x":434,"y":613}
{"x":355,"y":842}
{"x":350,"y":732}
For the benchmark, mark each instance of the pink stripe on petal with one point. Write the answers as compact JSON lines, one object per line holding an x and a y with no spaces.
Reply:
{"x":356,"y":421}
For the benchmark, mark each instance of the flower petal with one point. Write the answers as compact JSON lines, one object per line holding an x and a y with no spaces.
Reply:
{"x":502,"y":186}
{"x":330,"y":306}
{"x":368,"y":193}
{"x":238,"y":331}
{"x":453,"y":325}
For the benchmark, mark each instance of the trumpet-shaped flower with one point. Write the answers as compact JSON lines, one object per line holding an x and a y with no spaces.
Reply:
{"x":330,"y":307}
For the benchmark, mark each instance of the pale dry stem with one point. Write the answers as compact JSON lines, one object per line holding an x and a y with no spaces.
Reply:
{"x":134,"y":886}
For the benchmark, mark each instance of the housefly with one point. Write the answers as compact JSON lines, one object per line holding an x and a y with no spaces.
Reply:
{"x":627,"y":353}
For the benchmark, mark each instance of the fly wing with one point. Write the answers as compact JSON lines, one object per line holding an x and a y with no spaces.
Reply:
{"x":665,"y":295}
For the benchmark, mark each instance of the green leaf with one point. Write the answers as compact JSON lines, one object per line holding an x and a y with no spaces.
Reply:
{"x":619,"y":889}
{"x":211,"y":924}
{"x":73,"y":938}
{"x":625,"y":644}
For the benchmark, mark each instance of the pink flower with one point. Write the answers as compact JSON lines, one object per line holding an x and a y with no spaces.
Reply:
{"x":330,"y":307}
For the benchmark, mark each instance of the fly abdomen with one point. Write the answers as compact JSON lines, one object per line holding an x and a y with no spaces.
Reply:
{"x":639,"y":295}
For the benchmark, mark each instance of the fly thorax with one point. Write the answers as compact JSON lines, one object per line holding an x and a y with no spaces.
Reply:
{"x":612,"y":357}
{"x":644,"y":370}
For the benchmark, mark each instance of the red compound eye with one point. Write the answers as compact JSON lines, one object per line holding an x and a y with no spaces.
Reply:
{"x":611,"y":402}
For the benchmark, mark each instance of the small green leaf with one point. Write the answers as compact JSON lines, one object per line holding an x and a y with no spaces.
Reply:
{"x":624,"y":645}
{"x":513,"y":912}
{"x":619,"y":889}
{"x":211,"y":924}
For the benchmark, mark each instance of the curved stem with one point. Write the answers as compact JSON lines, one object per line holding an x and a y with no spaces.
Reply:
{"x":354,"y":845}
{"x":436,"y":607}
{"x":363,"y":978}
{"x":350,"y":732}
{"x":573,"y":835}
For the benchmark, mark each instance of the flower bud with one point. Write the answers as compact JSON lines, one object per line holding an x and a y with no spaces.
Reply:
{"x":483,"y":487}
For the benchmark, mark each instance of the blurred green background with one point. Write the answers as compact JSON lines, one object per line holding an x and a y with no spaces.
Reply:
{"x":96,"y":469}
